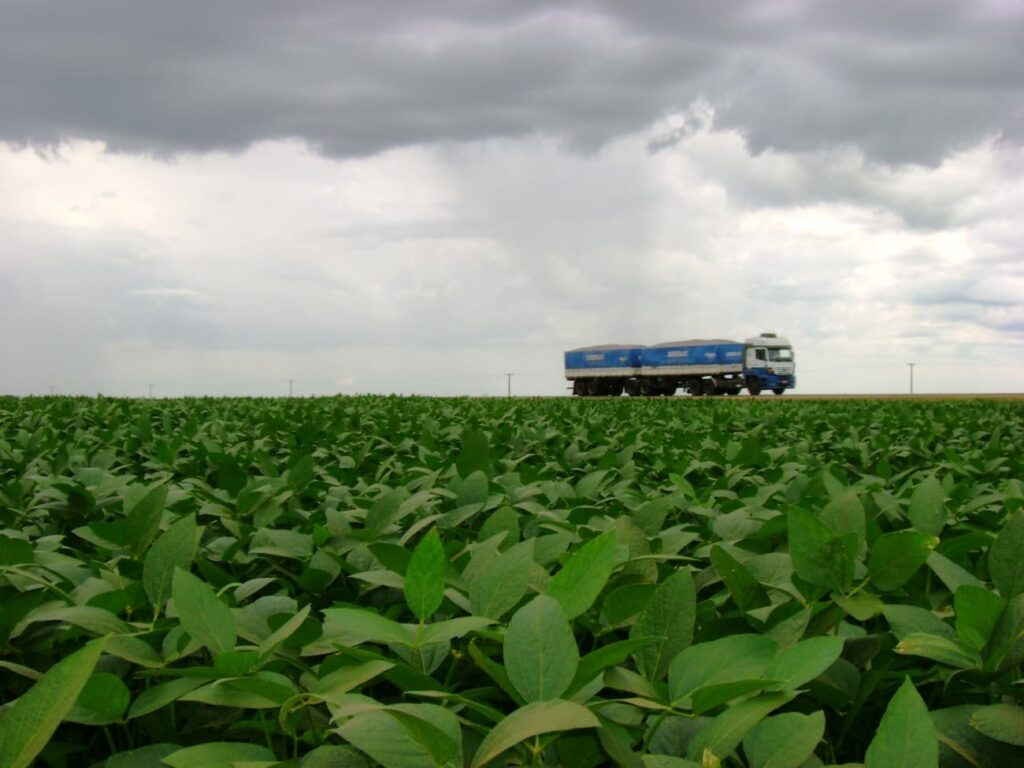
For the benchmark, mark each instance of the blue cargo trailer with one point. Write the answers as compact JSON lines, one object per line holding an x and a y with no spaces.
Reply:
{"x":697,"y":366}
{"x":604,"y":369}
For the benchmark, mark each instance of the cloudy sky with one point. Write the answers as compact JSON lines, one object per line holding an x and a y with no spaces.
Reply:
{"x":215,"y":198}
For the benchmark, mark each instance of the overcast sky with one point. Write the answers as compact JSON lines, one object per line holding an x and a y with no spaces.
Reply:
{"x":214,"y":198}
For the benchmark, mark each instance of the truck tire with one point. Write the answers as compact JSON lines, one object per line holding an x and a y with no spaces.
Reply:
{"x":707,"y":387}
{"x":632,"y":387}
{"x":779,"y":390}
{"x":754,"y":385}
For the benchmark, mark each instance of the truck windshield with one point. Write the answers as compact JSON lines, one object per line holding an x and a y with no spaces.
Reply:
{"x":780,"y":355}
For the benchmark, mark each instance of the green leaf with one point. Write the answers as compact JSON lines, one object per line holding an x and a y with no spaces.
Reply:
{"x":579,"y":582}
{"x":1006,"y":558}
{"x":174,"y":549}
{"x":895,"y":558}
{"x":219,"y":754}
{"x":862,"y":606}
{"x":424,"y":576}
{"x":349,"y":627}
{"x":746,"y":591}
{"x":540,"y":651}
{"x":906,"y":736}
{"x":845,"y":514}
{"x":724,"y":733}
{"x":800,"y":664}
{"x":909,"y":619}
{"x":475,"y":455}
{"x":332,"y":756}
{"x":784,"y":741}
{"x":202,"y":614}
{"x":607,"y":656}
{"x":670,"y":614}
{"x":961,"y":746}
{"x":144,"y":757}
{"x":1002,"y":722}
{"x":726,"y":660}
{"x":941,"y":649}
{"x":102,"y":701}
{"x":502,"y":582}
{"x":978,"y":611}
{"x":533,"y":720}
{"x":406,"y":736}
{"x":928,"y":506}
{"x":143,"y":523}
{"x":819,"y":557}
{"x":30,"y":722}
{"x":159,"y":696}
{"x":951,"y":574}
{"x":345,"y":679}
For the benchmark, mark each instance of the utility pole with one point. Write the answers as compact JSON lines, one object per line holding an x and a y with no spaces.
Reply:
{"x":290,"y":389}
{"x":509,"y":377}
{"x":150,"y":391}
{"x":911,"y":366}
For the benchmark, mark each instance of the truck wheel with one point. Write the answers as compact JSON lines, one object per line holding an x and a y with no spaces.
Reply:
{"x":779,"y":390}
{"x":707,"y":387}
{"x":632,"y":387}
{"x":754,"y":386}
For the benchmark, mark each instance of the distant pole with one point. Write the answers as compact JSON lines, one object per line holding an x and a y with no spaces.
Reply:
{"x":51,"y":390}
{"x":290,"y":388}
{"x":150,"y":391}
{"x":911,"y":366}
{"x":509,"y":377}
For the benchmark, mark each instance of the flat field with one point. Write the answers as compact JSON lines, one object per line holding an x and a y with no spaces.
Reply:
{"x":405,"y":582}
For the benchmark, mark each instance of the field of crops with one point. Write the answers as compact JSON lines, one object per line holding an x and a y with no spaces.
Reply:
{"x":342,"y":583}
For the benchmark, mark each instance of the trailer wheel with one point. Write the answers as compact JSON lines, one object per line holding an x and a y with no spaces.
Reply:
{"x":632,"y":387}
{"x":707,"y":387}
{"x":754,"y":385}
{"x":779,"y":390}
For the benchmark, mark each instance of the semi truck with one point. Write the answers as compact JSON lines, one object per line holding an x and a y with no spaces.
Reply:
{"x":696,"y":366}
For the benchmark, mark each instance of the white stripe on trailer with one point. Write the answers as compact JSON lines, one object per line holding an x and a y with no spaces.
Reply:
{"x":582,"y":373}
{"x":689,"y":370}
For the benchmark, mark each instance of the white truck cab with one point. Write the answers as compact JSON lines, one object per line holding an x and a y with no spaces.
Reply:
{"x":768,"y":363}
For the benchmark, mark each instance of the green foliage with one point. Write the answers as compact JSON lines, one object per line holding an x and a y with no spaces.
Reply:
{"x":353,"y":582}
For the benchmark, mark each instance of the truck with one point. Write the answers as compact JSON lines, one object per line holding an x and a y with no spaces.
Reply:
{"x":695,"y":366}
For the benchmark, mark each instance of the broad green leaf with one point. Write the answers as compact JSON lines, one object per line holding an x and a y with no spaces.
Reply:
{"x":1007,"y":645}
{"x":941,"y":649}
{"x":159,"y":696}
{"x":895,"y":558}
{"x":844,"y":513}
{"x":606,"y":656}
{"x":385,"y":509}
{"x":978,"y":611}
{"x":30,"y":722}
{"x":1006,"y":558}
{"x":219,"y":754}
{"x":667,"y":761}
{"x":174,"y":549}
{"x":406,"y":735}
{"x":961,"y":745}
{"x":443,"y":631}
{"x":475,"y":455}
{"x":804,"y":661}
{"x":540,"y":651}
{"x":909,"y":619}
{"x":725,"y":732}
{"x":332,"y":756}
{"x":282,"y":633}
{"x":928,"y":506}
{"x":725,"y":660}
{"x":906,"y":736}
{"x":670,"y":614}
{"x":144,"y":757}
{"x":784,"y":741}
{"x":1002,"y":722}
{"x":424,"y":576}
{"x":502,"y":582}
{"x":862,"y":606}
{"x":202,"y":614}
{"x":746,"y":592}
{"x":143,"y":523}
{"x":102,"y":701}
{"x":819,"y":557}
{"x":579,"y":582}
{"x":951,"y":574}
{"x":344,"y":679}
{"x":534,"y":719}
{"x":348,"y":627}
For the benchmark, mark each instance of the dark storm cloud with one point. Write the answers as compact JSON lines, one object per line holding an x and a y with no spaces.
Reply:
{"x":905,"y":82}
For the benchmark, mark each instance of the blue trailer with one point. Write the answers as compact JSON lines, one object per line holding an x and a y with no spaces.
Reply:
{"x":696,"y":366}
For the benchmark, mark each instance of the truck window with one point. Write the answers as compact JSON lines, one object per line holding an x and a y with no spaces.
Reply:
{"x":760,"y":354}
